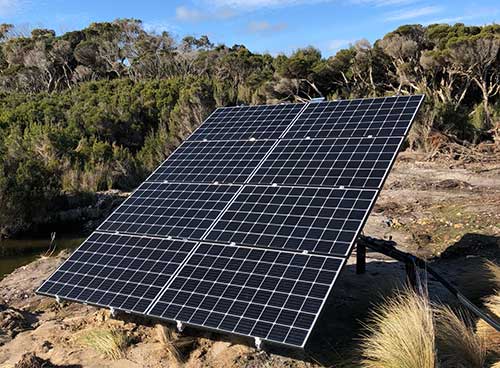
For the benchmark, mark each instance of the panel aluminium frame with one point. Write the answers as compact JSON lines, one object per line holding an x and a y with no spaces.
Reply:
{"x":196,"y":247}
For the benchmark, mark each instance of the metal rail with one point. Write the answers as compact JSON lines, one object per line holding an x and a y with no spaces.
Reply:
{"x":389,"y":249}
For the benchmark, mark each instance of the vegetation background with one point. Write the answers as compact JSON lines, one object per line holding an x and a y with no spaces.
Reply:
{"x":100,"y":108}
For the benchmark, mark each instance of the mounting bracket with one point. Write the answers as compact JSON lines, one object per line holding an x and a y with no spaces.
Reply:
{"x":180,"y":326}
{"x":388,"y":248}
{"x":317,"y":99}
{"x":112,"y":311}
{"x":258,"y":343}
{"x":58,"y":300}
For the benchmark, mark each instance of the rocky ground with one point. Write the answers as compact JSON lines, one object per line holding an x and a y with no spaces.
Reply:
{"x":442,"y":211}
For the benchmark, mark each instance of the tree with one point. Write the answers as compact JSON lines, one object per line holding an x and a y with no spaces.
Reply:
{"x":477,"y":57}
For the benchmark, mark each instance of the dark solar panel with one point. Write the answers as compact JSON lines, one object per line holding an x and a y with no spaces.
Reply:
{"x":272,"y":197}
{"x":378,"y":117}
{"x":246,"y":122}
{"x":180,"y":210}
{"x":214,"y":161}
{"x":122,"y":271}
{"x":274,"y":295}
{"x":323,"y":220}
{"x":333,"y":162}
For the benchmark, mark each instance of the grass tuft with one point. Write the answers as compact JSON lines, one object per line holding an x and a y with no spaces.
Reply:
{"x":109,"y":342}
{"x":401,"y":333}
{"x":488,"y":333}
{"x":167,"y":339}
{"x":494,"y":270}
{"x":175,"y":346}
{"x":458,"y":345}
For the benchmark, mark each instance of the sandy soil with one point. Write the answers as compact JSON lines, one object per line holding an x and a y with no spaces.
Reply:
{"x":445,"y":213}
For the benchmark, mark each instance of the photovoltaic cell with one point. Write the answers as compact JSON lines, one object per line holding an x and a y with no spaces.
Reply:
{"x":378,"y":117}
{"x":271,"y":199}
{"x":331,"y":162}
{"x":274,"y":295}
{"x":213,"y":161}
{"x":179,"y":210}
{"x":322,"y":220}
{"x":122,"y":271}
{"x":246,"y":122}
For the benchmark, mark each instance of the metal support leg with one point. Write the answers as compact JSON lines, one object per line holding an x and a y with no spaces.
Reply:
{"x":411,"y":274}
{"x":360,"y":258}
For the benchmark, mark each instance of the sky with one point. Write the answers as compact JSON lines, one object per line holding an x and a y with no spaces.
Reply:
{"x":274,"y":26}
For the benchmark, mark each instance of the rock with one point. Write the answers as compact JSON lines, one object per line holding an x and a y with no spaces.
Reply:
{"x":47,"y":346}
{"x":30,"y":360}
{"x":452,"y":184}
{"x":422,"y":239}
{"x":12,"y":322}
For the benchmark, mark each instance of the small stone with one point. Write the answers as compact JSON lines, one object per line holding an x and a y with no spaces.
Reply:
{"x":47,"y":346}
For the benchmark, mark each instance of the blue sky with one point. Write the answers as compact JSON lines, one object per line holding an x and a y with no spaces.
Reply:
{"x":262,"y":25}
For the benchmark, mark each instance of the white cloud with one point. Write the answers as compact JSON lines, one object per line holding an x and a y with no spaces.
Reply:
{"x":183,"y":13}
{"x":405,"y":14}
{"x":159,"y":27}
{"x":379,"y":3}
{"x":255,"y":4}
{"x":334,"y":45}
{"x":263,"y":26}
{"x":477,"y":13}
{"x":186,"y":14}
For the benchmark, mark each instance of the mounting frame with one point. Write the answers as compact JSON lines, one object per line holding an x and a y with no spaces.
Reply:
{"x":388,"y":248}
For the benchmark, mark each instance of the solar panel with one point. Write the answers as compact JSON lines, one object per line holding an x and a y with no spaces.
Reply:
{"x":378,"y":117}
{"x":246,"y":122}
{"x":214,"y":161}
{"x":270,"y":294}
{"x":170,"y":209}
{"x":332,"y":162}
{"x":123,"y":271}
{"x":246,"y":226}
{"x":322,"y":220}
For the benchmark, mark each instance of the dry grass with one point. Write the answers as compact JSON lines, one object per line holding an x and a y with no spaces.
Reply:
{"x":167,"y":339}
{"x":109,"y":342}
{"x":401,"y":334}
{"x":174,"y":345}
{"x":458,"y":345}
{"x":494,"y":270}
{"x":488,"y":333}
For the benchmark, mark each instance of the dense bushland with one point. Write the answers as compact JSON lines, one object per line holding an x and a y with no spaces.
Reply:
{"x":99,"y":108}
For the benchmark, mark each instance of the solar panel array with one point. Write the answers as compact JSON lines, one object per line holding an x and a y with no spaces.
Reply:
{"x":246,"y":226}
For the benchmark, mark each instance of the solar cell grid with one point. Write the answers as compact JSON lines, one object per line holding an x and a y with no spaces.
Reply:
{"x":175,"y":209}
{"x":333,"y":162}
{"x":245,"y":122}
{"x":270,"y":294}
{"x":323,"y":220}
{"x":126,"y":272}
{"x":271,"y":197}
{"x":221,"y":161}
{"x":390,"y":116}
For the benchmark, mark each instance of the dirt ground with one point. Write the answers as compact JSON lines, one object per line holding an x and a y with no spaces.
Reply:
{"x":442,"y":211}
